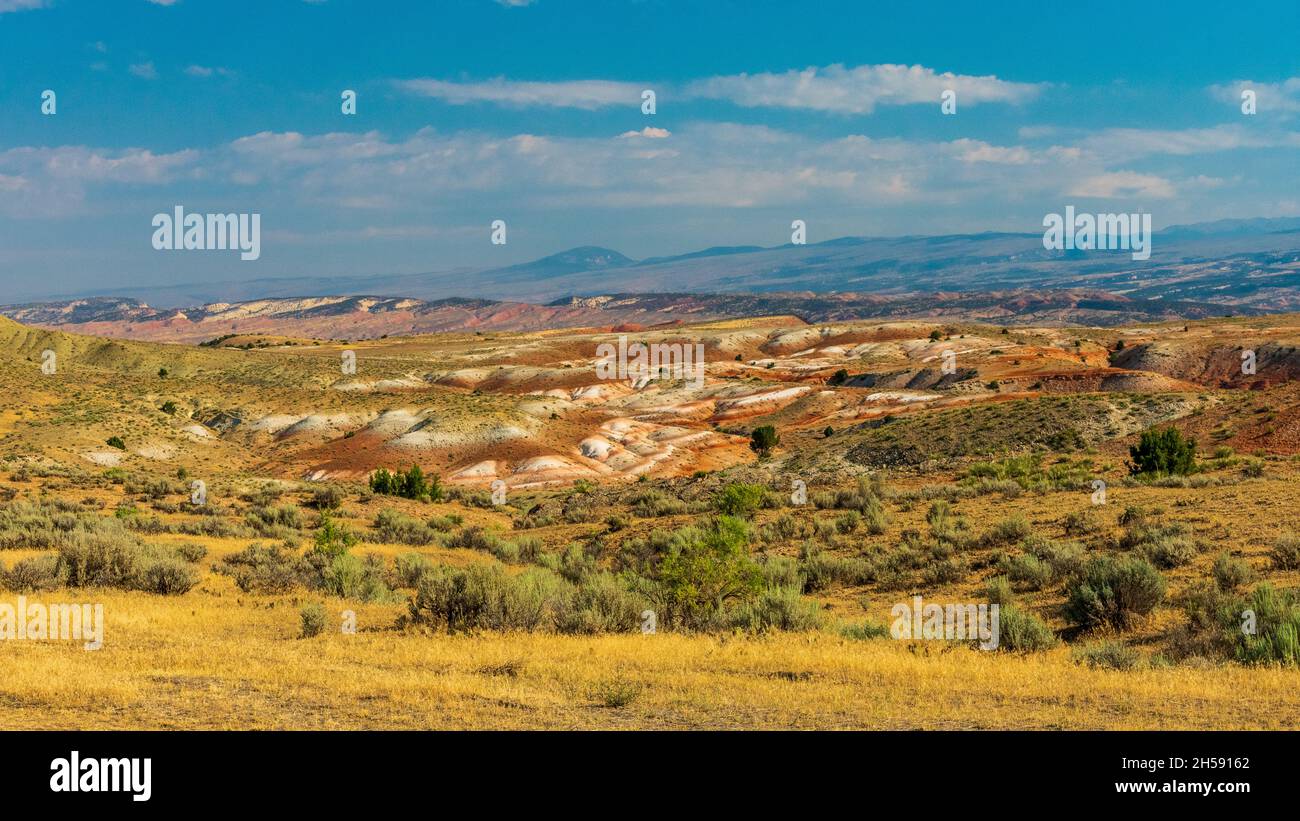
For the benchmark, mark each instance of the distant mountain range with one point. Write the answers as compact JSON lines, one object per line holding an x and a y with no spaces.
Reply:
{"x":370,"y":317}
{"x":1225,"y":267}
{"x":1247,"y":262}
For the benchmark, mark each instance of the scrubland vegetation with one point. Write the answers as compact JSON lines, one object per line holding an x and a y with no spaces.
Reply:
{"x":1145,"y":563}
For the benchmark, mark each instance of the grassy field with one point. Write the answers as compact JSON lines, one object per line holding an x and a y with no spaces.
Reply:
{"x":218,"y":657}
{"x":208,"y":662}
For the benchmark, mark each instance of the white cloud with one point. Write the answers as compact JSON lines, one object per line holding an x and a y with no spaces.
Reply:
{"x":1123,"y":184}
{"x":1283,"y":97}
{"x":207,"y":71}
{"x":833,"y":88}
{"x":53,"y":182}
{"x":978,"y":151}
{"x":857,"y":90}
{"x":582,"y":94}
{"x":648,"y":132}
{"x":1124,"y":144}
{"x":444,"y":175}
{"x":20,"y":5}
{"x":144,"y":70}
{"x":704,"y":164}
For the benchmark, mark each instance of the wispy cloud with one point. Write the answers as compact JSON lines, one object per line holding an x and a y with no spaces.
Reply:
{"x":704,"y":164}
{"x":858,"y":90}
{"x":1123,"y":184}
{"x":21,"y":5}
{"x":1283,"y":97}
{"x":54,"y":182}
{"x":207,"y":71}
{"x":835,"y":88}
{"x":144,"y":71}
{"x":1125,"y":144}
{"x":649,"y":132}
{"x":582,"y":94}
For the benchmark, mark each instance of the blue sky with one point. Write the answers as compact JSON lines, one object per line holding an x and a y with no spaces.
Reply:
{"x":475,"y":110}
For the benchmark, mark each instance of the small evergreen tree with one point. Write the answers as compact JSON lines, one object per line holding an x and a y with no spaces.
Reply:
{"x":1162,"y":453}
{"x":381,"y":482}
{"x":763,"y":439}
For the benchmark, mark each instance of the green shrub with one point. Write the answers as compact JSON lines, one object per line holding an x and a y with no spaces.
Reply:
{"x":848,"y":522}
{"x":776,"y":608}
{"x":327,"y":498}
{"x":27,"y":525}
{"x":739,"y":499}
{"x":821,"y":570}
{"x":191,"y":552}
{"x":1110,"y":655}
{"x":782,"y":530}
{"x":278,"y":522}
{"x":314,"y":619}
{"x":616,"y":692}
{"x":393,"y":527}
{"x":343,"y":575}
{"x":332,"y":538}
{"x":998,"y":591}
{"x":408,"y":568}
{"x":600,"y":603}
{"x":1081,"y":523}
{"x":1007,"y":531}
{"x":1114,"y":592}
{"x":261,"y":569}
{"x":865,"y":631}
{"x":1230,"y":573}
{"x":706,"y":568}
{"x":484,"y":597}
{"x":1027,"y":570}
{"x":763,"y":439}
{"x":781,"y":571}
{"x":349,"y":577}
{"x":1168,"y":551}
{"x":30,"y":575}
{"x":1286,"y":552}
{"x":167,"y":576}
{"x":1020,"y":631}
{"x":945,"y":571}
{"x":574,"y":563}
{"x":1064,"y":558}
{"x":99,"y":559}
{"x":446,"y":524}
{"x":1163,"y":453}
{"x":412,"y":484}
{"x":1277,"y":628}
{"x":475,"y":538}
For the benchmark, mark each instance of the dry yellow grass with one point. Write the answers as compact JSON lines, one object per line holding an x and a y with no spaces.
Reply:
{"x":217,"y":659}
